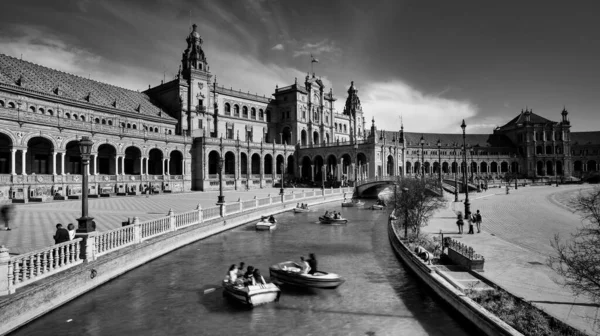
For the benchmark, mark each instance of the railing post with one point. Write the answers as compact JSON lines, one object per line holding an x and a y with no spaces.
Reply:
{"x":240,"y":209}
{"x":87,"y":251}
{"x":171,"y":215}
{"x":255,"y":202}
{"x":323,"y":192}
{"x":221,"y":209}
{"x":137,"y":230}
{"x":199,"y":209}
{"x":5,"y":272}
{"x":270,"y":199}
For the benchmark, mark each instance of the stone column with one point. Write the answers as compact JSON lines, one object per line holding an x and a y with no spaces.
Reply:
{"x":183,"y":163}
{"x":96,"y":164}
{"x":312,"y":172}
{"x":23,"y":161}
{"x":141,"y":165}
{"x":147,"y":165}
{"x":62,"y":163}
{"x":168,"y":163}
{"x":353,"y":171}
{"x":367,"y":169}
{"x":13,"y":152}
{"x":116,"y":165}
{"x":162,"y":170}
{"x":341,"y":169}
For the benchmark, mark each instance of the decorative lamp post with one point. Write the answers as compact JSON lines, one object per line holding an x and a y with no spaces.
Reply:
{"x":85,"y":222}
{"x":356,"y":164}
{"x":467,"y":204}
{"x":221,"y":198}
{"x":281,"y":191}
{"x":323,"y":174}
{"x":405,"y":194}
{"x":422,"y":159}
{"x":439,"y":145}
{"x":455,"y":174}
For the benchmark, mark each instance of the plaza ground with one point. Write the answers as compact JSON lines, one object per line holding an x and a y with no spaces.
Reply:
{"x":34,"y":224}
{"x":515,"y":240}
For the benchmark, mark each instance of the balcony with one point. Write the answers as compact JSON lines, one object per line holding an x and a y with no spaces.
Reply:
{"x":200,"y":109}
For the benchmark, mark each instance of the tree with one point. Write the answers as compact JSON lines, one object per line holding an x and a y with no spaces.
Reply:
{"x":415,"y":207}
{"x":578,"y":260}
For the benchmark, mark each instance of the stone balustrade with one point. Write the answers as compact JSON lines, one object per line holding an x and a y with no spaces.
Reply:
{"x":22,"y":270}
{"x":464,"y":255}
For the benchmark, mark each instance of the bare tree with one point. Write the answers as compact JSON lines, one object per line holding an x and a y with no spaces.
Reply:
{"x":415,"y":201}
{"x":578,"y":260}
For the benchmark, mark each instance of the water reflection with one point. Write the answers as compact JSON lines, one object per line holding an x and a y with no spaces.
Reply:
{"x":167,"y":296}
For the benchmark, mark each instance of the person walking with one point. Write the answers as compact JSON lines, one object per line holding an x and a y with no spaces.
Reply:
{"x":460,"y":223}
{"x":71,"y":229}
{"x":478,"y":221}
{"x":6,"y":213}
{"x":61,"y":235}
{"x":471,"y":219}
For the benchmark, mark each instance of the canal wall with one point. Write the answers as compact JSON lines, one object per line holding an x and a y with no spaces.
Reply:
{"x":487,"y":322}
{"x":50,"y":292}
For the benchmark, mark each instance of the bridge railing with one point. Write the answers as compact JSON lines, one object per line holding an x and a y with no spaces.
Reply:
{"x":21,"y":270}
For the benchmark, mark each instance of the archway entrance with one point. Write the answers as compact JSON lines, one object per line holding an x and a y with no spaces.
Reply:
{"x":390,"y":166}
{"x":287,"y":136}
{"x":290,"y":165}
{"x":229,"y":164}
{"x":5,"y":154}
{"x":319,"y":162}
{"x":255,"y":165}
{"x":176,"y":163}
{"x":39,"y":156}
{"x":306,"y":168}
{"x":132,"y":160}
{"x":155,"y":162}
{"x":268,"y":164}
{"x":213,"y":164}
{"x":106,"y":159}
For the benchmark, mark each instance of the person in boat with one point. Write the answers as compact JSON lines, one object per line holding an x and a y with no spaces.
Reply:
{"x":305,"y":266}
{"x":241,"y":269}
{"x":272,"y":219}
{"x":326,"y":215}
{"x":257,"y":278}
{"x":247,"y":278}
{"x":306,"y":206}
{"x":337,"y":215}
{"x":312,"y":263}
{"x":232,"y":275}
{"x":298,"y":205}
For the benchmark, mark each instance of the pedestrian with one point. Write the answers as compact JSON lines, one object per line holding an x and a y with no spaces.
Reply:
{"x":71,"y":229}
{"x":471,"y":220}
{"x":460,"y":223}
{"x":6,"y":212}
{"x":61,"y":235}
{"x":478,"y":221}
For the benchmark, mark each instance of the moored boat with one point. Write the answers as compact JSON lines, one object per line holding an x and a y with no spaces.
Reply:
{"x":329,"y":220}
{"x":253,"y":295}
{"x":377,"y":207}
{"x":288,"y":273}
{"x":352,"y":204}
{"x":298,"y":210}
{"x":265,"y":225}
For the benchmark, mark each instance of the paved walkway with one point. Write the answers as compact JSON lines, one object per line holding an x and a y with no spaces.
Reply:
{"x":515,"y":241}
{"x":35,"y":223}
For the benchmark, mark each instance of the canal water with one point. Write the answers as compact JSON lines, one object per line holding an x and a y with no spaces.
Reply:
{"x":167,"y":296}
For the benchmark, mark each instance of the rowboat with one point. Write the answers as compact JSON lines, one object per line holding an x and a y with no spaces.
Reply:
{"x":253,"y":295}
{"x":297,"y":210}
{"x":264,"y":225}
{"x":377,"y":207}
{"x":353,"y":204}
{"x":328,"y":220}
{"x":288,"y":273}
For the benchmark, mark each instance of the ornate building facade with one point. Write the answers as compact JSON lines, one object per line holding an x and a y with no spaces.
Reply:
{"x":171,"y":137}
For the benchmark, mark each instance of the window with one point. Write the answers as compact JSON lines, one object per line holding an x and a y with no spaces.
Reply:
{"x":230,"y":133}
{"x":68,"y":115}
{"x":134,"y":126}
{"x":249,"y":135}
{"x":50,"y":112}
{"x":200,"y":102}
{"x":32,"y":108}
{"x":97,"y":120}
{"x":327,"y":119}
{"x":103,"y":121}
{"x":83,"y":118}
{"x":227,"y":109}
{"x":261,"y":115}
{"x":245,"y":112}
{"x":199,"y":123}
{"x":110,"y":123}
{"x":236,"y":111}
{"x":75,"y":117}
{"x":253,"y":113}
{"x":41,"y":110}
{"x":287,"y":114}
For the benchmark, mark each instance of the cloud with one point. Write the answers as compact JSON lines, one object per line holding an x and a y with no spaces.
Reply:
{"x":278,"y":47}
{"x":387,"y":101}
{"x":322,"y":47}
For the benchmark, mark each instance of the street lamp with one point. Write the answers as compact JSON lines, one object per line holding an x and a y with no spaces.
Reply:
{"x":467,"y":205}
{"x":455,"y":174}
{"x":422,"y":159}
{"x":439,"y":145}
{"x":405,"y":194}
{"x":281,"y":189}
{"x":221,"y":198}
{"x":323,"y":174}
{"x":85,"y":222}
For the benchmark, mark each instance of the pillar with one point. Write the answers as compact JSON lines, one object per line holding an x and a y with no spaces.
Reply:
{"x":168,"y":161}
{"x":146,"y":159}
{"x":96,"y":164}
{"x":141,"y":165}
{"x":116,"y":165}
{"x":13,"y":152}
{"x":338,"y":174}
{"x":183,"y":163}
{"x":353,"y":171}
{"x":312,"y":172}
{"x":162,"y":171}
{"x":367,"y":169}
{"x":23,"y":161}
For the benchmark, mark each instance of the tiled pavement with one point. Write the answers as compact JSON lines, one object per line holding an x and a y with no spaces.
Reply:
{"x":515,"y":241}
{"x":35,"y":223}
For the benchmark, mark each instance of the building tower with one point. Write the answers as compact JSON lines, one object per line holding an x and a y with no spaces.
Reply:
{"x":353,"y":109}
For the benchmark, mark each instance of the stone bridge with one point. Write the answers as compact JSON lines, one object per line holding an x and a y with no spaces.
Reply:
{"x":371,"y":187}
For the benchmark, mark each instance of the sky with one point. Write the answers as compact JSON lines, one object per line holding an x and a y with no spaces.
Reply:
{"x":433,"y":63}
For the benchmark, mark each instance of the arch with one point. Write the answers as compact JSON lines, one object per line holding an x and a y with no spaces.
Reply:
{"x":41,"y":110}
{"x":483,"y":167}
{"x":155,"y":162}
{"x":559,"y":168}
{"x":445,"y":168}
{"x":504,"y":167}
{"x":2,"y":103}
{"x":11,"y":105}
{"x":290,"y":165}
{"x":427,"y":167}
{"x":494,"y":167}
{"x":227,"y":109}
{"x":261,"y":114}
{"x":72,"y":157}
{"x":6,"y":144}
{"x":331,"y":167}
{"x":436,"y":167}
{"x":68,"y":115}
{"x":255,"y":164}
{"x":326,"y":137}
{"x":417,"y":168}
{"x":540,"y":168}
{"x":287,"y":135}
{"x":549,"y":168}
{"x":514,"y":167}
{"x":318,"y":163}
{"x":106,"y":159}
{"x":362,"y":165}
{"x":134,"y":126}
{"x":30,"y":136}
{"x":390,"y":166}
{"x":245,"y":112}
{"x":39,"y":155}
{"x":303,"y":136}
{"x":306,"y":168}
{"x":578,"y":166}
{"x":50,"y":112}
{"x":315,"y":137}
{"x":346,"y":161}
{"x":32,"y":108}
{"x":253,"y":113}
{"x":279,"y":164}
{"x":110,"y":123}
{"x":176,"y":162}
{"x":236,"y":110}
{"x":75,"y":116}
{"x":408,"y":167}
{"x":82,"y":118}
{"x":128,"y":125}
{"x":131,"y":160}
{"x":213,"y":162}
{"x":454,"y":167}
{"x":268,"y":161}
{"x":97,"y":120}
{"x":591,"y":166}
{"x":103,"y":121}
{"x":243,"y":164}
{"x":473,"y":168}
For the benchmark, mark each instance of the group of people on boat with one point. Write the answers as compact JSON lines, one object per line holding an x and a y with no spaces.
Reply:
{"x":250,"y":277}
{"x":307,"y":265}
{"x":270,"y":219}
{"x":380,"y":202}
{"x":302,"y":206}
{"x":332,"y":215}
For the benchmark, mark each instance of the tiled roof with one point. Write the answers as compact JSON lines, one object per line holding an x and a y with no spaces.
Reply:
{"x":585,"y":138}
{"x":45,"y":80}
{"x":448,"y":140}
{"x":534,"y":119}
